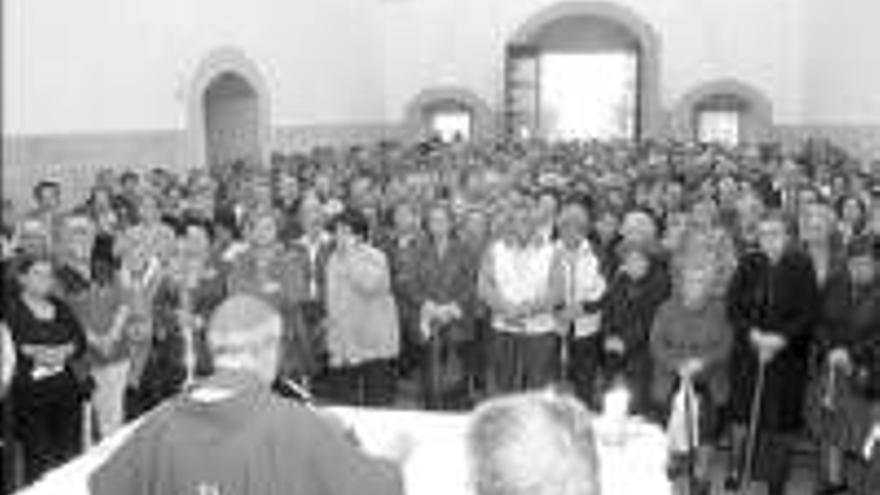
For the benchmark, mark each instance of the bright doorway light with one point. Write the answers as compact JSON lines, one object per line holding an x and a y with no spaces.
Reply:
{"x":451,"y":125}
{"x":589,"y":95}
{"x":718,"y":126}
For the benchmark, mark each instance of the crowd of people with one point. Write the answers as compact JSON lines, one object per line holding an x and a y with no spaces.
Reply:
{"x":747,"y":278}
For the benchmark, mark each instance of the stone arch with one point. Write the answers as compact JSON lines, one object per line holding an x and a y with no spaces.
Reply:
{"x":217,"y":63}
{"x":757,"y":118}
{"x":415,"y":119}
{"x":651,"y":115}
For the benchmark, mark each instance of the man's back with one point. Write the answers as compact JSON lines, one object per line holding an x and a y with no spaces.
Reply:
{"x":251,"y":443}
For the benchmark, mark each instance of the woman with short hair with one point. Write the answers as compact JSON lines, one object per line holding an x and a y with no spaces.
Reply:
{"x":363,"y":336}
{"x":772,"y":304}
{"x":50,"y":380}
{"x":848,"y":351}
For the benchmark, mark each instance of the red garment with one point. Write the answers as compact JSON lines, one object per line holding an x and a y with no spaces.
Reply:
{"x":253,"y":443}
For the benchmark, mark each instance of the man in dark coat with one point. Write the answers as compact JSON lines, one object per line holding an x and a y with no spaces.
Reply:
{"x":772,"y":301}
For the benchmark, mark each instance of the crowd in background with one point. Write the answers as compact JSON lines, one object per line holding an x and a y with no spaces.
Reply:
{"x":466,"y":270}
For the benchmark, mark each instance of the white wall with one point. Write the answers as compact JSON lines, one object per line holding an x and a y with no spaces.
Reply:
{"x":842,"y":74}
{"x":122,"y":65}
{"x":461,"y":42}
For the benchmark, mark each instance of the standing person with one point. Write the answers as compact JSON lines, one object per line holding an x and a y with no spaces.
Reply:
{"x":104,"y":318}
{"x":473,"y":232}
{"x":847,"y":330}
{"x":402,"y":247}
{"x":47,"y":194}
{"x":583,"y":296}
{"x":314,"y":247}
{"x":140,"y":274}
{"x":185,"y":298}
{"x":638,"y":288}
{"x":772,"y":304}
{"x":853,"y":215}
{"x":516,"y":281}
{"x":107,"y":218}
{"x":445,"y":290}
{"x":363,"y":336}
{"x":267,"y":270}
{"x":691,"y":341}
{"x":149,"y":233}
{"x":50,"y":381}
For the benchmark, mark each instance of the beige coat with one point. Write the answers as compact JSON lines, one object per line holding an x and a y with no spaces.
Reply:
{"x":361,"y":313}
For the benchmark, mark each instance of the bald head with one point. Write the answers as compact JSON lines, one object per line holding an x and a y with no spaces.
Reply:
{"x":244,"y":332}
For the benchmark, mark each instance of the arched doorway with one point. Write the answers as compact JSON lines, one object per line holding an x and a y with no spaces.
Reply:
{"x":449,"y":111}
{"x":228,"y":111}
{"x":231,"y":121}
{"x":583,"y":70}
{"x":727,"y":111}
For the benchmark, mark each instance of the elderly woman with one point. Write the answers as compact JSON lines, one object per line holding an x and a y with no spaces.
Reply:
{"x":847,"y":338}
{"x":187,"y":295}
{"x":266,"y":270}
{"x":704,"y":237}
{"x":772,"y":300}
{"x":445,"y":286}
{"x":363,"y":336}
{"x":50,"y":380}
{"x":516,"y":281}
{"x":853,"y":215}
{"x":402,"y":247}
{"x":691,"y":341}
{"x":636,"y":290}
{"x":583,"y":295}
{"x":819,"y":239}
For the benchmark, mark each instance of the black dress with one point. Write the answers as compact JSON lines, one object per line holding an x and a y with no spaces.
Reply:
{"x":48,"y":412}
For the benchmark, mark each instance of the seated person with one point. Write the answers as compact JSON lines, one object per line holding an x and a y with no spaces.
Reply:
{"x":230,"y":435}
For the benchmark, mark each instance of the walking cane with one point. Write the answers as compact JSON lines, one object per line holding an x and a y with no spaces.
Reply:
{"x":690,"y":435}
{"x":752,"y":434}
{"x":434,"y":395}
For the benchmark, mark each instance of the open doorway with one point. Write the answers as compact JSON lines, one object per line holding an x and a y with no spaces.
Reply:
{"x":582,"y":71}
{"x":231,"y":121}
{"x":228,"y":112}
{"x":589,"y":95}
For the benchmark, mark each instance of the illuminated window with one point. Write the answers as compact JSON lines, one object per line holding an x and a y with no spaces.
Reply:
{"x":719,"y":126}
{"x":451,"y":124}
